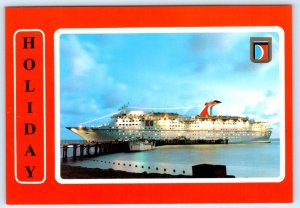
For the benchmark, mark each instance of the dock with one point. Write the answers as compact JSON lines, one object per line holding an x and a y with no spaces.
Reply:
{"x":94,"y":149}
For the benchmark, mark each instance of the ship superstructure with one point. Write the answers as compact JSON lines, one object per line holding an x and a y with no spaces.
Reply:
{"x":141,"y":125}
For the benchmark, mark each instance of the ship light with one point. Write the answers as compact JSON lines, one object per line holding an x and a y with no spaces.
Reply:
{"x":136,"y":112}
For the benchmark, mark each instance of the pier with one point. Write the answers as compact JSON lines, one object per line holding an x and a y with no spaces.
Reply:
{"x":93,"y":149}
{"x":80,"y":151}
{"x":87,"y":150}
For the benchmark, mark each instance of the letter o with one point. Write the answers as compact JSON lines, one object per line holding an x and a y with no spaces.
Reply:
{"x":27,"y":65}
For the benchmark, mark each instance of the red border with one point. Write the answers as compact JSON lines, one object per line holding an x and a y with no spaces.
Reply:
{"x":49,"y":19}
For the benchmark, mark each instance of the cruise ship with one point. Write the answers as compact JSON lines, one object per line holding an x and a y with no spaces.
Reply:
{"x":140,"y":125}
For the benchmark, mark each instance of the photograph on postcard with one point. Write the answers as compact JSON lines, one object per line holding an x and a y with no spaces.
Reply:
{"x":193,"y":104}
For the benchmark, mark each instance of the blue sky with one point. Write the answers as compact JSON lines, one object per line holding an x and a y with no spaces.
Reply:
{"x":101,"y":72}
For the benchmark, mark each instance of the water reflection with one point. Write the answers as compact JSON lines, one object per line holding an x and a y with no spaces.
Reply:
{"x":242,"y":160}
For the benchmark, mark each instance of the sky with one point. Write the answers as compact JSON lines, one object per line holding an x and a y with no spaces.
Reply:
{"x":101,"y":72}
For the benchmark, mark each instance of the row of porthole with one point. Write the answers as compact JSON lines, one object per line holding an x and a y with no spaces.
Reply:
{"x":130,"y":120}
{"x":142,"y":166}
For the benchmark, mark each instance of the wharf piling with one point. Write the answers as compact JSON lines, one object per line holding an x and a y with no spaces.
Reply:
{"x":102,"y":148}
{"x":65,"y":153}
{"x":93,"y":149}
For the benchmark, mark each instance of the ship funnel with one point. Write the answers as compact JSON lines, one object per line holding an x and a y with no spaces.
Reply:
{"x":207,"y":111}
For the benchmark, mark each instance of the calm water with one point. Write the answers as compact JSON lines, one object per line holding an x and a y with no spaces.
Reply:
{"x":242,"y":160}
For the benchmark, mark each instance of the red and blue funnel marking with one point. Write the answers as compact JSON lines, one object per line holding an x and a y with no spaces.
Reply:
{"x":261,"y":51}
{"x":207,"y":111}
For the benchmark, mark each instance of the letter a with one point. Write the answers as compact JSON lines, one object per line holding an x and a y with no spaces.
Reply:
{"x":30,"y":150}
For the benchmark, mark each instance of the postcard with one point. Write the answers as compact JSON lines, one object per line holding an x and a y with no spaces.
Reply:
{"x":123,"y":102}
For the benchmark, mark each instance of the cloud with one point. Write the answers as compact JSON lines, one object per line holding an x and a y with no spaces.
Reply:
{"x":87,"y":88}
{"x":79,"y":106}
{"x":267,"y":110}
{"x":229,"y":52}
{"x":112,"y":94}
{"x":266,"y":107}
{"x":81,"y":55}
{"x":202,"y":43}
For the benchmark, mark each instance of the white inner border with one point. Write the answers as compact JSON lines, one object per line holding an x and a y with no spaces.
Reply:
{"x":15,"y":105}
{"x":276,"y":29}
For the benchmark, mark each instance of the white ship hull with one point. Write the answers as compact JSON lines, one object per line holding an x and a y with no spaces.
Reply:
{"x":233,"y":136}
{"x":139,"y":125}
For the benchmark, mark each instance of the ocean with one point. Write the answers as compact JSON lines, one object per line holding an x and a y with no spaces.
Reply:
{"x":241,"y":160}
